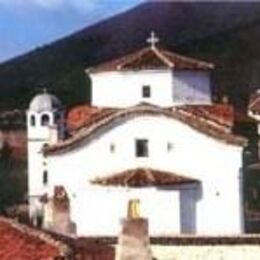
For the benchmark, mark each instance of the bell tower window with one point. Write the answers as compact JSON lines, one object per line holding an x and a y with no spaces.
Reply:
{"x":45,"y":120}
{"x":33,"y":120}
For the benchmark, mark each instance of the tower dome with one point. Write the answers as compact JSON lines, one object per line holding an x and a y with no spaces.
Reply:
{"x":45,"y":102}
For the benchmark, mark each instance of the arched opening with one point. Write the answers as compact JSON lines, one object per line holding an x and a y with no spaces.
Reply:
{"x":45,"y":120}
{"x":33,"y":120}
{"x":45,"y":178}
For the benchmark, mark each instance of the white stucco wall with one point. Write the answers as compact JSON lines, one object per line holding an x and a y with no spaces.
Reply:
{"x":216,"y":205}
{"x":124,"y":89}
{"x":99,"y":211}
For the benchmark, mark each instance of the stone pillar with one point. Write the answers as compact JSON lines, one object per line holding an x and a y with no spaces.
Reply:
{"x":133,"y":241}
{"x":57,"y":213}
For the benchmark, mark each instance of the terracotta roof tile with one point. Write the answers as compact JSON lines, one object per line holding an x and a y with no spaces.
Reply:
{"x":141,"y":177}
{"x":82,"y":116}
{"x":152,"y":58}
{"x":221,"y":114}
{"x":21,"y":242}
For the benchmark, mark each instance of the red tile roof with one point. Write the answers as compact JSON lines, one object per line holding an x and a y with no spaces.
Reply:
{"x":82,"y":116}
{"x":223,"y":115}
{"x":213,"y":120}
{"x":142,"y":177}
{"x":152,"y":58}
{"x":19,"y":242}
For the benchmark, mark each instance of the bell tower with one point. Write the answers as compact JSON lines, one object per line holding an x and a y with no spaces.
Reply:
{"x":45,"y":125}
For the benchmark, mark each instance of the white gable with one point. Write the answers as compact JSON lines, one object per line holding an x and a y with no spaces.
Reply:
{"x":172,"y":79}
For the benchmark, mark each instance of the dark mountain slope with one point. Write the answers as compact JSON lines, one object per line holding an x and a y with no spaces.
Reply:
{"x":224,"y":33}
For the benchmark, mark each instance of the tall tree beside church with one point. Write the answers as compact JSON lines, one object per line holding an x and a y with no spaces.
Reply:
{"x":12,"y":180}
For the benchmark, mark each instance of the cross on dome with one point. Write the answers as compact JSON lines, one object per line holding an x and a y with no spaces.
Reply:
{"x":153,"y":39}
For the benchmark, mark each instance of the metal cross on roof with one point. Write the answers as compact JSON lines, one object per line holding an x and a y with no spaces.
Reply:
{"x":153,"y":39}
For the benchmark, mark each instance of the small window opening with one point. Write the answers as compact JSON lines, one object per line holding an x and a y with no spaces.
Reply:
{"x":112,"y":148}
{"x":146,"y":91}
{"x":45,"y":177}
{"x":45,"y":120}
{"x":33,"y":120}
{"x":169,"y":146}
{"x":141,"y":148}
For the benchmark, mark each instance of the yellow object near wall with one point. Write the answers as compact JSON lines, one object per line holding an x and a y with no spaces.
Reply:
{"x":133,"y":211}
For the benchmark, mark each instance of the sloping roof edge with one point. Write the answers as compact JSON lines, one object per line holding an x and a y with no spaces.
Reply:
{"x":167,"y":58}
{"x":143,"y":177}
{"x":208,"y":127}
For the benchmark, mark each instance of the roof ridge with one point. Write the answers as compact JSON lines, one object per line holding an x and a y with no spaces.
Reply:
{"x":131,"y":175}
{"x":162,"y":57}
{"x":149,"y":174}
{"x":131,"y":57}
{"x":168,"y":59}
{"x":185,"y":58}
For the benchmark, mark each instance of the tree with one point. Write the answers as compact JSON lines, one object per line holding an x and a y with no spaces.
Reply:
{"x":12,"y":179}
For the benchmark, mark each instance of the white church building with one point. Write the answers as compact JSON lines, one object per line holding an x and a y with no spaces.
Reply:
{"x":151,"y":137}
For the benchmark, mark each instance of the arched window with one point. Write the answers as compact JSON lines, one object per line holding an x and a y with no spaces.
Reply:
{"x":45,"y":120}
{"x":33,"y":121}
{"x":45,"y":178}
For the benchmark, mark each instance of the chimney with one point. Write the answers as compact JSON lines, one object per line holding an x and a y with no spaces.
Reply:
{"x":133,"y":243}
